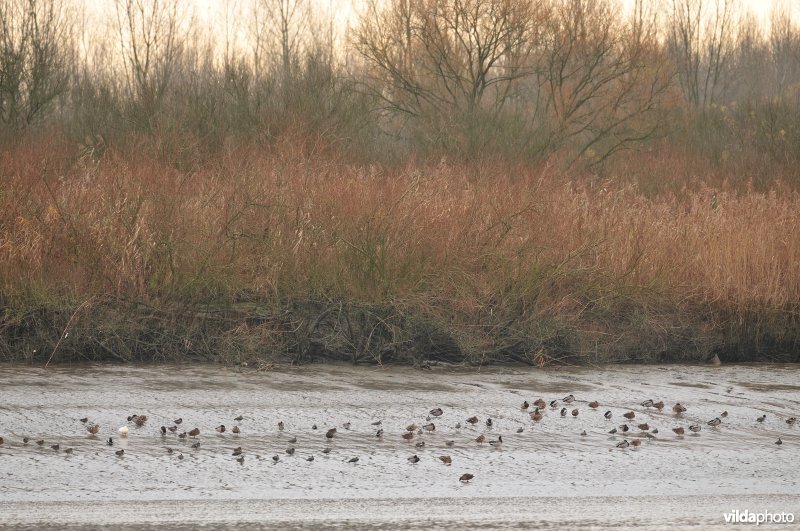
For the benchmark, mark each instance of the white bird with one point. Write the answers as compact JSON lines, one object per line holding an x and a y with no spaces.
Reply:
{"x":123,"y":431}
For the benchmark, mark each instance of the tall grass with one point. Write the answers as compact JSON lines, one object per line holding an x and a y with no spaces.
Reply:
{"x":257,"y":252}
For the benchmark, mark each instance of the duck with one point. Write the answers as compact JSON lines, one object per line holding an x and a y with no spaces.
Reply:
{"x":120,"y":452}
{"x":140,"y":420}
{"x":644,"y":427}
{"x":173,"y":429}
{"x":465,"y":478}
{"x":623,"y":444}
{"x":489,"y":423}
{"x":420,"y":444}
{"x":196,"y":445}
{"x":379,"y":433}
{"x":612,"y":431}
{"x":275,"y":458}
{"x":446,"y":459}
{"x":377,"y":423}
{"x":563,"y":412}
{"x":436,"y":412}
{"x":520,"y":429}
{"x":330,"y":433}
{"x":290,"y":450}
{"x":413,"y":459}
{"x":791,"y":420}
{"x":480,"y":439}
{"x":540,"y":403}
{"x":239,"y":418}
{"x":659,"y":405}
{"x":194,"y":432}
{"x":408,"y":435}
{"x":429,"y":427}
{"x":182,"y":435}
{"x":84,"y":420}
{"x":55,"y":447}
{"x":449,"y":444}
{"x":553,"y":404}
{"x":594,"y":404}
{"x":714,"y":422}
{"x":762,"y":418}
{"x":220,"y":428}
{"x":237,"y":451}
{"x":236,"y":430}
{"x":583,"y":433}
{"x":647,"y":403}
{"x":177,"y":421}
{"x":346,"y":425}
{"x":170,"y":451}
{"x":679,"y":430}
{"x":2,"y":440}
{"x":110,"y":442}
{"x":25,"y":440}
{"x":575,"y":412}
{"x":326,"y":450}
{"x":607,"y":414}
{"x":473,"y":420}
{"x":123,"y":431}
{"x":310,"y":458}
{"x":180,"y":457}
{"x":40,"y":442}
{"x":280,"y":425}
{"x":630,"y":415}
{"x":458,"y":425}
{"x":163,"y":430}
{"x":293,"y":440}
{"x":678,"y":408}
{"x":314,"y":427}
{"x":353,"y":460}
{"x":240,"y":459}
{"x":723,"y":414}
{"x":411,"y":427}
{"x":568,"y":399}
{"x":624,"y":428}
{"x":695,"y":428}
{"x":498,"y":443}
{"x":636,"y":442}
{"x":779,"y":441}
{"x":536,"y":416}
{"x":525,"y":405}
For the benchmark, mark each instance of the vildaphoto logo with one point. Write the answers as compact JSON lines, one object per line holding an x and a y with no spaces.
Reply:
{"x":747,"y":517}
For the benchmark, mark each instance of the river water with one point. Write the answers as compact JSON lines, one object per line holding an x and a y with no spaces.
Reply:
{"x":549,"y":475}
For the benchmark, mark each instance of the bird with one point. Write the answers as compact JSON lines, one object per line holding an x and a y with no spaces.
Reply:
{"x":539,"y":403}
{"x":314,"y":427}
{"x":177,"y":421}
{"x":575,"y":412}
{"x":163,"y":430}
{"x":498,"y":443}
{"x":120,"y":452}
{"x":647,"y":403}
{"x":536,"y":416}
{"x":563,"y":412}
{"x":568,"y":399}
{"x":239,"y":418}
{"x":310,"y":458}
{"x":2,"y":440}
{"x":612,"y":431}
{"x":275,"y":458}
{"x":480,"y":438}
{"x":236,"y":429}
{"x":25,"y":440}
{"x":762,"y":418}
{"x":220,"y":428}
{"x":449,"y":443}
{"x":85,"y":420}
{"x":791,"y":420}
{"x":237,"y":451}
{"x":330,"y":433}
{"x":413,"y":459}
{"x":465,"y":478}
{"x":553,"y":404}
{"x":280,"y":425}
{"x":110,"y":442}
{"x":659,"y":405}
{"x":290,"y":450}
{"x":195,"y":432}
{"x":408,"y":435}
{"x":655,"y":430}
{"x":489,"y":423}
{"x":123,"y":431}
{"x":583,"y":433}
{"x":678,"y":408}
{"x":695,"y":428}
{"x":40,"y":442}
{"x":723,"y":414}
{"x":636,"y":442}
{"x":346,"y":425}
{"x":644,"y":427}
{"x":623,"y":444}
{"x":93,"y":428}
{"x":473,"y":420}
{"x":624,"y":428}
{"x":196,"y":445}
{"x":458,"y":425}
{"x":446,"y":459}
{"x":182,"y":435}
{"x":629,"y":415}
{"x":437,"y":412}
{"x":594,"y":404}
{"x":140,"y":420}
{"x":180,"y":457}
{"x":173,"y":429}
{"x":379,"y":433}
{"x":411,"y":427}
{"x":779,"y":441}
{"x":326,"y":450}
{"x":170,"y":450}
{"x":525,"y":405}
{"x":353,"y":460}
{"x":678,"y":430}
{"x":293,"y":440}
{"x":607,"y":414}
{"x":714,"y":422}
{"x":429,"y":427}
{"x":520,"y":429}
{"x":377,"y":423}
{"x":240,"y":459}
{"x":55,"y":447}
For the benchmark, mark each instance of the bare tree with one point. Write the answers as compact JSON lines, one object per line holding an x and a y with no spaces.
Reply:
{"x":35,"y":48}
{"x":283,"y":25}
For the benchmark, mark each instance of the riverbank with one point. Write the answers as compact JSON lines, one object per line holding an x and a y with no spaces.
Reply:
{"x":267,"y":254}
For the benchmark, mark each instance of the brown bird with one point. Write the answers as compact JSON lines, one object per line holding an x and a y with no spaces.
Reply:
{"x":679,"y":430}
{"x":536,"y":416}
{"x":472,"y":420}
{"x":240,"y":459}
{"x":659,"y":405}
{"x":678,"y":408}
{"x":574,"y":412}
{"x":408,"y":435}
{"x":330,"y":433}
{"x":196,"y":445}
{"x":237,"y":451}
{"x":644,"y":427}
{"x":446,"y":459}
{"x":636,"y":442}
{"x":195,"y":432}
{"x":411,"y":427}
{"x":466,"y":477}
{"x":540,"y":403}
{"x":629,"y":415}
{"x":55,"y":447}
{"x":480,"y":438}
{"x":182,"y":435}
{"x":236,"y":429}
{"x":120,"y":452}
{"x":594,"y":404}
{"x":40,"y":443}
{"x":139,"y":420}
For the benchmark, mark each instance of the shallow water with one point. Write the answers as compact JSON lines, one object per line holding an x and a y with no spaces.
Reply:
{"x":547,"y":476}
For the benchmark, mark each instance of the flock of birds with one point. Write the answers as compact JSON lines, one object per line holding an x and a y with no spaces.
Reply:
{"x":537,"y":411}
